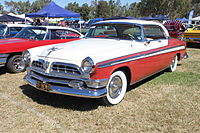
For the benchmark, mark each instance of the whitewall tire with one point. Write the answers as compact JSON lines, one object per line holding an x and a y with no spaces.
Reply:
{"x":173,"y":66}
{"x":116,"y":89}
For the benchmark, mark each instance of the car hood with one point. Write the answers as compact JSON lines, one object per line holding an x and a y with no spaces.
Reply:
{"x":18,"y":44}
{"x":8,"y":41}
{"x":97,"y":49}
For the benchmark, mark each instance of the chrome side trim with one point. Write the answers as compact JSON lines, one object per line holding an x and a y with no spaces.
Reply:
{"x":3,"y":59}
{"x":137,"y":57}
{"x":79,"y":92}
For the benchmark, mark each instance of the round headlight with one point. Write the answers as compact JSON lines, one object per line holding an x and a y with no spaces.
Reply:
{"x":87,"y":65}
{"x":26,"y":57}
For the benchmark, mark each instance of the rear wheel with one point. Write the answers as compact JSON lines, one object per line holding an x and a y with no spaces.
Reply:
{"x":173,"y":66}
{"x":15,"y":64}
{"x":116,"y":89}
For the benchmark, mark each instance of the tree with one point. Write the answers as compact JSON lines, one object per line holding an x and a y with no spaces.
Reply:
{"x":102,"y":9}
{"x":85,"y":11}
{"x":73,"y":7}
{"x":195,"y":6}
{"x":134,"y":9}
{"x":38,"y":5}
{"x":172,"y":8}
{"x":26,"y":7}
{"x":116,"y":9}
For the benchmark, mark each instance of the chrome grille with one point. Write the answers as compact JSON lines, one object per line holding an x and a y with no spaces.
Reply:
{"x":37,"y":64}
{"x":69,"y":69}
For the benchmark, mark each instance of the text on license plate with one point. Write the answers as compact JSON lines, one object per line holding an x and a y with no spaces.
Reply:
{"x":43,"y":86}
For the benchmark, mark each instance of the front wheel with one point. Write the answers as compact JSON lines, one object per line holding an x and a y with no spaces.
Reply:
{"x":116,"y":89}
{"x":173,"y":65}
{"x":15,"y":64}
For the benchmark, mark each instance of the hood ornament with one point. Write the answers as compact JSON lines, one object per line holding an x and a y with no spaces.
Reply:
{"x":51,"y":50}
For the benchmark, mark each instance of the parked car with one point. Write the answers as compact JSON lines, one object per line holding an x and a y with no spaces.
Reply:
{"x":10,"y":30}
{"x":175,"y":28}
{"x":11,"y":48}
{"x":113,"y":55}
{"x":193,"y":35}
{"x":189,"y":26}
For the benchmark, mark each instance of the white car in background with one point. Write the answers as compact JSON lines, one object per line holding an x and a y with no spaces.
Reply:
{"x":10,"y":30}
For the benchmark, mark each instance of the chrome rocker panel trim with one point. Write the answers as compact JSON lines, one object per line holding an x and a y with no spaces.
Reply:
{"x":3,"y":59}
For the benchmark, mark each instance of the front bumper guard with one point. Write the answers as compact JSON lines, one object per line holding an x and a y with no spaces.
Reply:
{"x":79,"y":91}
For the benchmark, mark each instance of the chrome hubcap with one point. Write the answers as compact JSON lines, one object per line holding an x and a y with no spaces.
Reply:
{"x":173,"y":63}
{"x":115,"y":87}
{"x":19,"y":66}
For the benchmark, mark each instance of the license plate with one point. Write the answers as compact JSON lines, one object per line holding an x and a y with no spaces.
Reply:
{"x":43,"y":86}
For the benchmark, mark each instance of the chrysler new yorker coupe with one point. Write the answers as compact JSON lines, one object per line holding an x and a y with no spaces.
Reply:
{"x":113,"y":55}
{"x":11,"y":48}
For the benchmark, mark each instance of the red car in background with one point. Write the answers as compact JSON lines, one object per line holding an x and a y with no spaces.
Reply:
{"x":175,"y":28}
{"x":11,"y":48}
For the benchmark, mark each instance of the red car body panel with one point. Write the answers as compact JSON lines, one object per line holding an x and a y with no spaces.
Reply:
{"x":144,"y":67}
{"x":13,"y":45}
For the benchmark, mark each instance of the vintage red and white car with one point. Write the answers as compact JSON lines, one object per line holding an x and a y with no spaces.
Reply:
{"x":113,"y":55}
{"x":11,"y":48}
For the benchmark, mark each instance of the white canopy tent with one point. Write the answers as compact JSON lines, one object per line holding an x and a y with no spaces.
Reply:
{"x":21,"y":16}
{"x":196,"y":20}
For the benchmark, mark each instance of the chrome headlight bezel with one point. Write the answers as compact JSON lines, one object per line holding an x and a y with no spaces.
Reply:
{"x":26,"y":57}
{"x":87,"y":65}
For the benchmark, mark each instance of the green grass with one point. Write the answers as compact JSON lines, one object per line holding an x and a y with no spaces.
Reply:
{"x":186,"y":79}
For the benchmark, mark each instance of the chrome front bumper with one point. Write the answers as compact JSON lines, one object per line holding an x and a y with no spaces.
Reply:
{"x":3,"y":59}
{"x":67,"y":87}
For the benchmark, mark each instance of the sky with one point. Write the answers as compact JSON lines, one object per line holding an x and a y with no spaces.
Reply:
{"x":64,"y":3}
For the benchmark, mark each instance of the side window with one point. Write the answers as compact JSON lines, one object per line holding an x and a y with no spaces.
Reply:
{"x":132,"y":33}
{"x":55,"y":34}
{"x":14,"y":30}
{"x":63,"y":34}
{"x":104,"y":31}
{"x":153,"y":32}
{"x":67,"y":34}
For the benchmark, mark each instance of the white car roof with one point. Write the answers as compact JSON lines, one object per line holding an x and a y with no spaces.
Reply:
{"x":61,"y":28}
{"x":16,"y":25}
{"x":143,"y":22}
{"x":55,"y":27}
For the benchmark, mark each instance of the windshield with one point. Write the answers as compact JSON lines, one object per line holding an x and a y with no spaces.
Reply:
{"x":37,"y":33}
{"x":119,"y":31}
{"x":2,"y":30}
